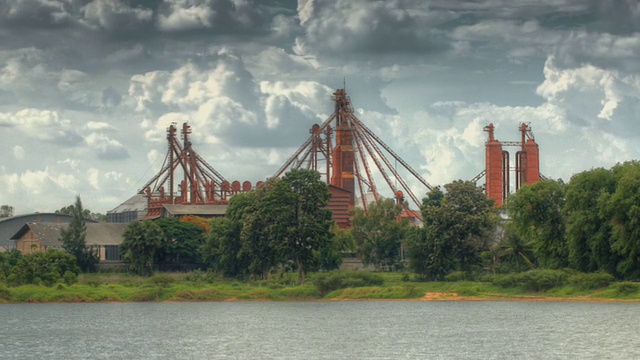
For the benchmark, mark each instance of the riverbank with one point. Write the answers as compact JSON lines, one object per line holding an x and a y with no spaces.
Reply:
{"x":178,"y":287}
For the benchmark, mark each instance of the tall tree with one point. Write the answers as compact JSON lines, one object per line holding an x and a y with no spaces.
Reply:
{"x":536,"y":214}
{"x":141,"y":241}
{"x":463,"y":224}
{"x":257,"y":246}
{"x":379,"y":233}
{"x":180,"y":244}
{"x":6,"y":211}
{"x":426,"y":257}
{"x":458,"y":227}
{"x":622,"y":208}
{"x":589,"y":233}
{"x":74,"y":242}
{"x":299,"y":222}
{"x":222,"y":249}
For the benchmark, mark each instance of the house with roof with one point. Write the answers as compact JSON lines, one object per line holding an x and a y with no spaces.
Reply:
{"x":104,"y":238}
{"x":10,"y":225}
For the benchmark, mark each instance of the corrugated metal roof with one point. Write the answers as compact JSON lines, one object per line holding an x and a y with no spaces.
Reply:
{"x":178,"y":209}
{"x":10,"y":225}
{"x":48,"y":234}
{"x":137,"y":202}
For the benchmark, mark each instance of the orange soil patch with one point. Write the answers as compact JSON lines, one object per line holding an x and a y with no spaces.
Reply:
{"x":451,"y":296}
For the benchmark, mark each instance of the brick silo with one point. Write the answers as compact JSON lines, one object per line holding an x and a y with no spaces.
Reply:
{"x":532,"y":166}
{"x":494,"y":166}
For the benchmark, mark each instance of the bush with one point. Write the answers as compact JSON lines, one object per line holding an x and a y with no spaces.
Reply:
{"x":161,"y":281}
{"x":327,"y":282}
{"x":626,"y":288}
{"x":591,"y":281}
{"x":70,"y":278}
{"x":43,"y":268}
{"x":5,"y":293}
{"x":459,"y":276}
{"x":533,"y":280}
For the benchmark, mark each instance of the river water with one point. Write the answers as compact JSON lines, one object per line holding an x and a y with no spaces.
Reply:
{"x":321,"y":330}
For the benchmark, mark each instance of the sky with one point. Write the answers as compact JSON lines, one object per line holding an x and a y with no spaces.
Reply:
{"x":89,"y":87}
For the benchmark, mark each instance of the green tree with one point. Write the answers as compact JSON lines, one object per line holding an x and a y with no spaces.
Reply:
{"x":536,"y":212}
{"x":222,"y":250}
{"x":43,"y":268}
{"x":6,"y":211}
{"x":86,"y":213}
{"x":513,"y":253}
{"x":298,"y":221}
{"x":180,"y":244}
{"x":458,"y":228}
{"x":426,"y":257}
{"x":257,"y":246}
{"x":421,"y":251}
{"x":379,"y":233}
{"x":73,"y":239}
{"x":141,"y":241}
{"x":589,"y":233}
{"x":622,"y":208}
{"x":330,"y":256}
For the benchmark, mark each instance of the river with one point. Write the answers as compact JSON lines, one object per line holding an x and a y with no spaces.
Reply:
{"x":321,"y":330}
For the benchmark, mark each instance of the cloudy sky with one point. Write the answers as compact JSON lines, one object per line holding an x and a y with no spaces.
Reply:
{"x":88,"y":87}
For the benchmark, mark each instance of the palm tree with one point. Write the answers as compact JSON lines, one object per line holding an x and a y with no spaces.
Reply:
{"x":514,"y":254}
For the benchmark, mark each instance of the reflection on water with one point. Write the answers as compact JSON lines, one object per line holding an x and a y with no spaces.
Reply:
{"x":321,"y":330}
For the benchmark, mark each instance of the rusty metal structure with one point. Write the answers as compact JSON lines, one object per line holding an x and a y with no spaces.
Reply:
{"x":186,"y":178}
{"x":497,"y":167}
{"x":349,"y":156}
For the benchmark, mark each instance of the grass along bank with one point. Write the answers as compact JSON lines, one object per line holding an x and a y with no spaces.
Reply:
{"x":335,"y":286}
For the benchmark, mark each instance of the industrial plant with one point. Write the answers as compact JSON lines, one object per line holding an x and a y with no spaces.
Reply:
{"x":354,"y":162}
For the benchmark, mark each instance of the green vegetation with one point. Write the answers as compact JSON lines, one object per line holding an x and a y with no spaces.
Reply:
{"x":43,"y":268}
{"x":6,"y":211}
{"x":284,"y":224}
{"x":379,"y":235}
{"x":560,"y":241}
{"x":337,"y":285}
{"x":141,"y":241}
{"x":590,"y":224}
{"x":73,"y":239}
{"x":457,"y":230}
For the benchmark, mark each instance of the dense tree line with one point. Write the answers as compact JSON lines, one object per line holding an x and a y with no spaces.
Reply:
{"x":590,"y":224}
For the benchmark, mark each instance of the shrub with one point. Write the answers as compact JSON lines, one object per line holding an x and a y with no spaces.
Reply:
{"x":43,"y":268}
{"x":70,"y":277}
{"x":591,"y":281}
{"x":459,"y":276}
{"x":5,"y":293}
{"x":327,"y":282}
{"x":626,"y":288}
{"x":533,"y":280}
{"x":161,"y":281}
{"x":196,"y":276}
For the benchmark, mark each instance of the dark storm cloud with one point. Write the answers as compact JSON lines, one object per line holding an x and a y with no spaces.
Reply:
{"x":613,"y":16}
{"x":136,"y":19}
{"x":218,"y":16}
{"x":117,"y":18}
{"x":38,"y":13}
{"x":363,"y":26}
